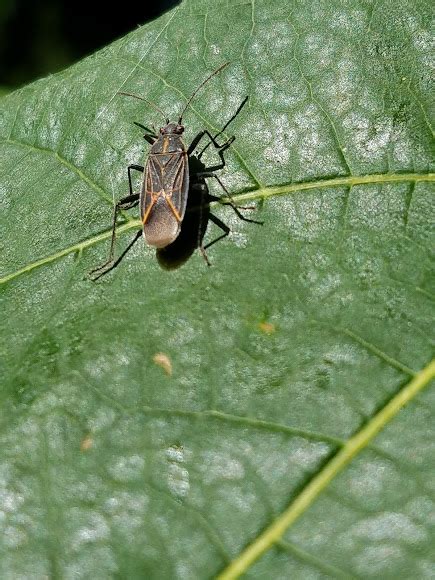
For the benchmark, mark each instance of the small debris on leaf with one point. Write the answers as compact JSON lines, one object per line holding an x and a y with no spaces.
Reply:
{"x":267,"y":327}
{"x":86,"y":443}
{"x":162,"y":360}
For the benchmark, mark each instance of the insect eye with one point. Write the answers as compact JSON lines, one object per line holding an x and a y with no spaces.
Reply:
{"x":180,"y":129}
{"x":162,"y":130}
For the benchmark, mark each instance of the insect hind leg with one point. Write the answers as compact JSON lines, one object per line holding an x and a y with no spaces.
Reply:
{"x":220,"y":225}
{"x":111,"y":263}
{"x":230,"y":201}
{"x":125,"y":203}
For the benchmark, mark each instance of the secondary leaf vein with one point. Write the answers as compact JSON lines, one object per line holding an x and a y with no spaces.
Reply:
{"x":79,"y":172}
{"x":307,"y":497}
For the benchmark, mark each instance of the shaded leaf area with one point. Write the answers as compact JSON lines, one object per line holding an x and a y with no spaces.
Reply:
{"x":289,"y":344}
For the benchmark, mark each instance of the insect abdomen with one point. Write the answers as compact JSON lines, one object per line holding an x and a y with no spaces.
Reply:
{"x":164,"y":191}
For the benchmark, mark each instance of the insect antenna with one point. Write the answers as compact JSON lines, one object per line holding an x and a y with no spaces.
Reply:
{"x":218,"y":70}
{"x":146,"y":101}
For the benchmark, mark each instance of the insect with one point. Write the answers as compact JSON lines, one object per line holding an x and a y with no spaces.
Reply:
{"x":165,"y":187}
{"x":198,"y":214}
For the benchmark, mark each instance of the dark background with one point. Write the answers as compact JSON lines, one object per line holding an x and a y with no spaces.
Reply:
{"x":38,"y":37}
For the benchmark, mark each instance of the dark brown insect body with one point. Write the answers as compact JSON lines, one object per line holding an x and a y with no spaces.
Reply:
{"x":165,"y":187}
{"x":163,"y":196}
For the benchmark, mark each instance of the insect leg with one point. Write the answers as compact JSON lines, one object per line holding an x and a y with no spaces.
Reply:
{"x":221,"y":148}
{"x":195,"y":142}
{"x":128,"y":202}
{"x":200,"y":135}
{"x":220,"y":152}
{"x":240,"y":107}
{"x":220,"y":225}
{"x":149,"y":136}
{"x":129,"y":168}
{"x":231,"y":201}
{"x":148,"y":131}
{"x":125,"y":203}
{"x":202,"y":187}
{"x":111,"y":264}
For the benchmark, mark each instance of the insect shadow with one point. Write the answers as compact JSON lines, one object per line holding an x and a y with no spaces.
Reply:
{"x":198,"y":214}
{"x":175,"y":234}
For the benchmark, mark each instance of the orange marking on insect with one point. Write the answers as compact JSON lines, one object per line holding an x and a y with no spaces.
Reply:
{"x":165,"y":145}
{"x":174,"y":209}
{"x":150,"y":207}
{"x":179,"y":176}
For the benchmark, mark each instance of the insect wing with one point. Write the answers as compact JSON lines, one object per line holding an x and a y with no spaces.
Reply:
{"x":164,"y":197}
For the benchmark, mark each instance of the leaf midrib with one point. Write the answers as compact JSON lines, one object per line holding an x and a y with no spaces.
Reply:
{"x":260,"y":193}
{"x":360,"y":441}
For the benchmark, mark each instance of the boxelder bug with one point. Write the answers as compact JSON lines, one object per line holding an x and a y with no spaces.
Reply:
{"x":165,"y":187}
{"x":197,"y":216}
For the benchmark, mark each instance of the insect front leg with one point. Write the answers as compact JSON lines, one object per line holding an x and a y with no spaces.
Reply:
{"x":213,"y":139}
{"x":136,"y":168}
{"x":150,"y":135}
{"x":240,"y":107}
{"x":220,"y":148}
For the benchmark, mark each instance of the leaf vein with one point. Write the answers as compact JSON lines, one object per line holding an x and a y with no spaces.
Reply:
{"x":218,"y":415}
{"x":313,"y":560}
{"x":332,"y":469}
{"x":262,"y":193}
{"x":378,"y":352}
{"x":79,"y":172}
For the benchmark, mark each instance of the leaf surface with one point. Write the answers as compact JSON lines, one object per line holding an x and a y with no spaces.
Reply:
{"x":165,"y":424}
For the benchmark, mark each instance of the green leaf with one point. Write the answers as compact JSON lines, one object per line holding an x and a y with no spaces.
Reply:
{"x":266,"y":415}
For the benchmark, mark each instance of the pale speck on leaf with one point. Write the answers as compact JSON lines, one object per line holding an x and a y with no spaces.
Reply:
{"x":162,"y":360}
